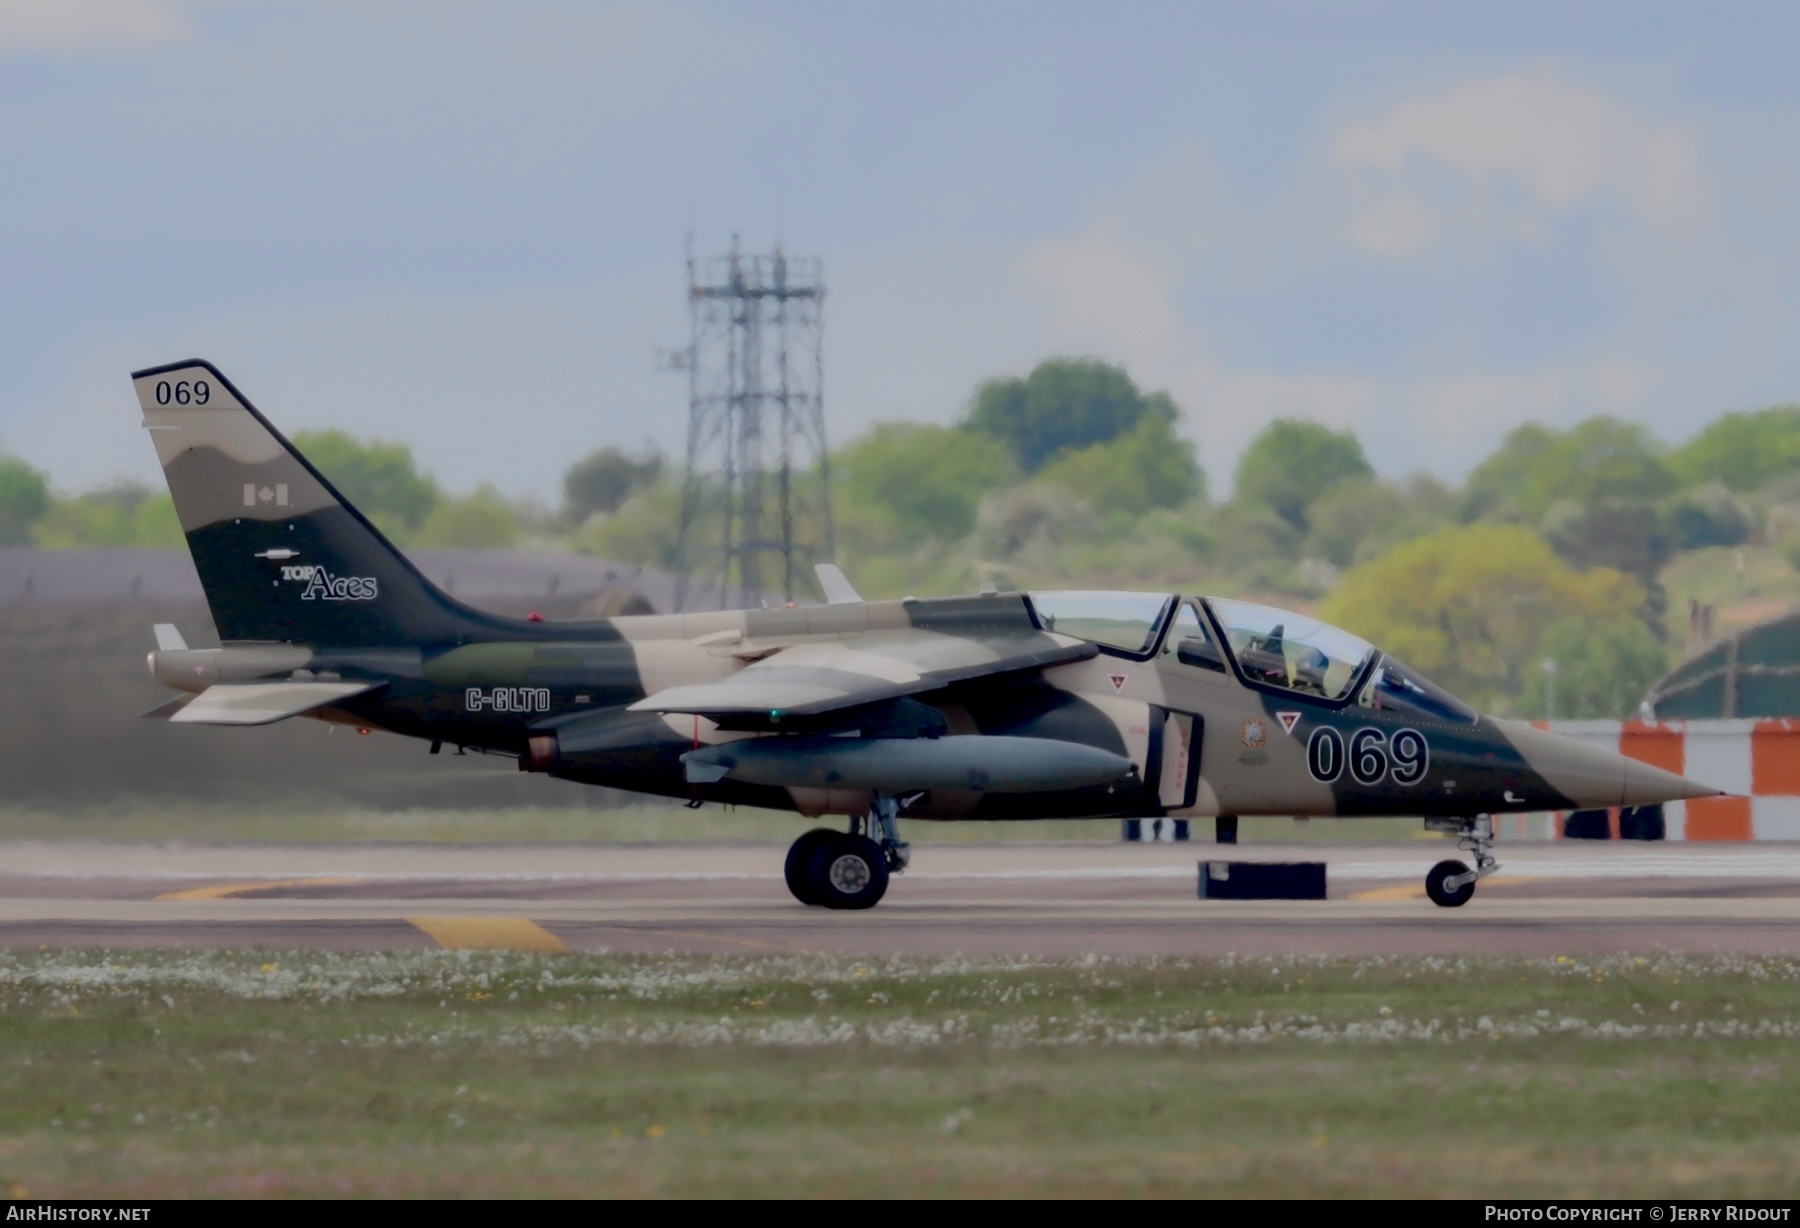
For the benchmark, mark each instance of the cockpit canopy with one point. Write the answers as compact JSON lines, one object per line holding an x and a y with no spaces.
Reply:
{"x":1272,"y":648}
{"x":1129,"y":622}
{"x":1396,"y":688}
{"x":1291,"y":651}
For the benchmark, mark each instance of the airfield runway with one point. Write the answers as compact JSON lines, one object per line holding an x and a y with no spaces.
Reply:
{"x":1042,"y":900}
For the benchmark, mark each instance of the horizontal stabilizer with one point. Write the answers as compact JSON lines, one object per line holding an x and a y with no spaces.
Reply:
{"x":168,"y":638}
{"x":264,"y":703}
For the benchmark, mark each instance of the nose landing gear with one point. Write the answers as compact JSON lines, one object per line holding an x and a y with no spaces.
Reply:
{"x":1451,"y":883}
{"x":834,"y":869}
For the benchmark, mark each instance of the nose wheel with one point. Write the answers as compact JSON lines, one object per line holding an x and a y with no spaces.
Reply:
{"x":1451,"y":883}
{"x":848,"y":870}
{"x":1438,"y":884}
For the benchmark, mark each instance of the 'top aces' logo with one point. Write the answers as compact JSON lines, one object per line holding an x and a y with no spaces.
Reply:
{"x":322,"y":585}
{"x":339,"y":588}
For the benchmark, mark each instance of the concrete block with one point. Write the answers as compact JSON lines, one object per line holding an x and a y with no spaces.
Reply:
{"x":1262,"y":880}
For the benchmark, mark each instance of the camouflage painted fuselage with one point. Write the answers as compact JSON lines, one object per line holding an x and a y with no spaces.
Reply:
{"x":321,"y":616}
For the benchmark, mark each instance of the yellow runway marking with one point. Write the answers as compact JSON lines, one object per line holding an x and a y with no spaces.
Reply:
{"x":227,"y":891}
{"x":1412,"y":891}
{"x":488,"y":934}
{"x":1416,"y":891}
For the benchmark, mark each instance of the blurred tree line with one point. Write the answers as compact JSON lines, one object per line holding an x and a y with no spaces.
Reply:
{"x":1553,"y":549}
{"x":382,"y":478}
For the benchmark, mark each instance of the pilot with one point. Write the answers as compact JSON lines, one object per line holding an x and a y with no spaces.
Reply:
{"x":1264,"y":657}
{"x":1309,"y":671}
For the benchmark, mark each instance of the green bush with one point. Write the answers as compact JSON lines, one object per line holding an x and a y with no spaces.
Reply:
{"x":1535,"y":467}
{"x":1064,"y":405}
{"x":1147,"y":468}
{"x":123,"y":515}
{"x":380,"y":477}
{"x":1293,"y":463}
{"x":481,"y":521}
{"x":1602,"y":669}
{"x":909,"y":480}
{"x":24,"y":498}
{"x":1745,"y":450}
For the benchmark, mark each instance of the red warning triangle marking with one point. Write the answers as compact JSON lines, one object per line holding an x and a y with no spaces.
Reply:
{"x":1288,"y":720}
{"x":1118,"y":681}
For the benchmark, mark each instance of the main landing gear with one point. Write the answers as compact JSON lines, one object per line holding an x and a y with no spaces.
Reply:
{"x":1451,"y":883}
{"x":834,"y":869}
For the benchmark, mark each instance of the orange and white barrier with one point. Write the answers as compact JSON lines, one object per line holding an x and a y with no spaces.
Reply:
{"x":1756,"y":761}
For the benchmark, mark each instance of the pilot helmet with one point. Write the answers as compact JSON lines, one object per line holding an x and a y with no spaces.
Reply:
{"x":1310,"y":665}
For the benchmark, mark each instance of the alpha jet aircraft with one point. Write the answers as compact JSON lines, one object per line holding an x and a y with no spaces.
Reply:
{"x":996,"y":706}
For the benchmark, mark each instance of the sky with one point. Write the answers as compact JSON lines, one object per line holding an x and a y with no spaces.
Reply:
{"x":462,"y":226}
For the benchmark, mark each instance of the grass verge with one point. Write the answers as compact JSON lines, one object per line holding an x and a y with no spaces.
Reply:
{"x":162,"y":1075}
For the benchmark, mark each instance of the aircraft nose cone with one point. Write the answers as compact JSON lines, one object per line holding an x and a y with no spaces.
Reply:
{"x":1593,"y":778}
{"x":1646,"y":785}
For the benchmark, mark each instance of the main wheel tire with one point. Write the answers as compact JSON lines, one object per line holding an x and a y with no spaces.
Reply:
{"x":798,"y":870}
{"x":1442,"y":895}
{"x":850,"y":872}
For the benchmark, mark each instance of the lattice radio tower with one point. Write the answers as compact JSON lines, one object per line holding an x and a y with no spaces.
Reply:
{"x":756,"y":499}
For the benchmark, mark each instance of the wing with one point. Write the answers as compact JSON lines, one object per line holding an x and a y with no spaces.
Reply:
{"x":263,"y":703}
{"x":807,"y":679}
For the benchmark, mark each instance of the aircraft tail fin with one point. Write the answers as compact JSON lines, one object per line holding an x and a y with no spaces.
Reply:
{"x":281,"y":554}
